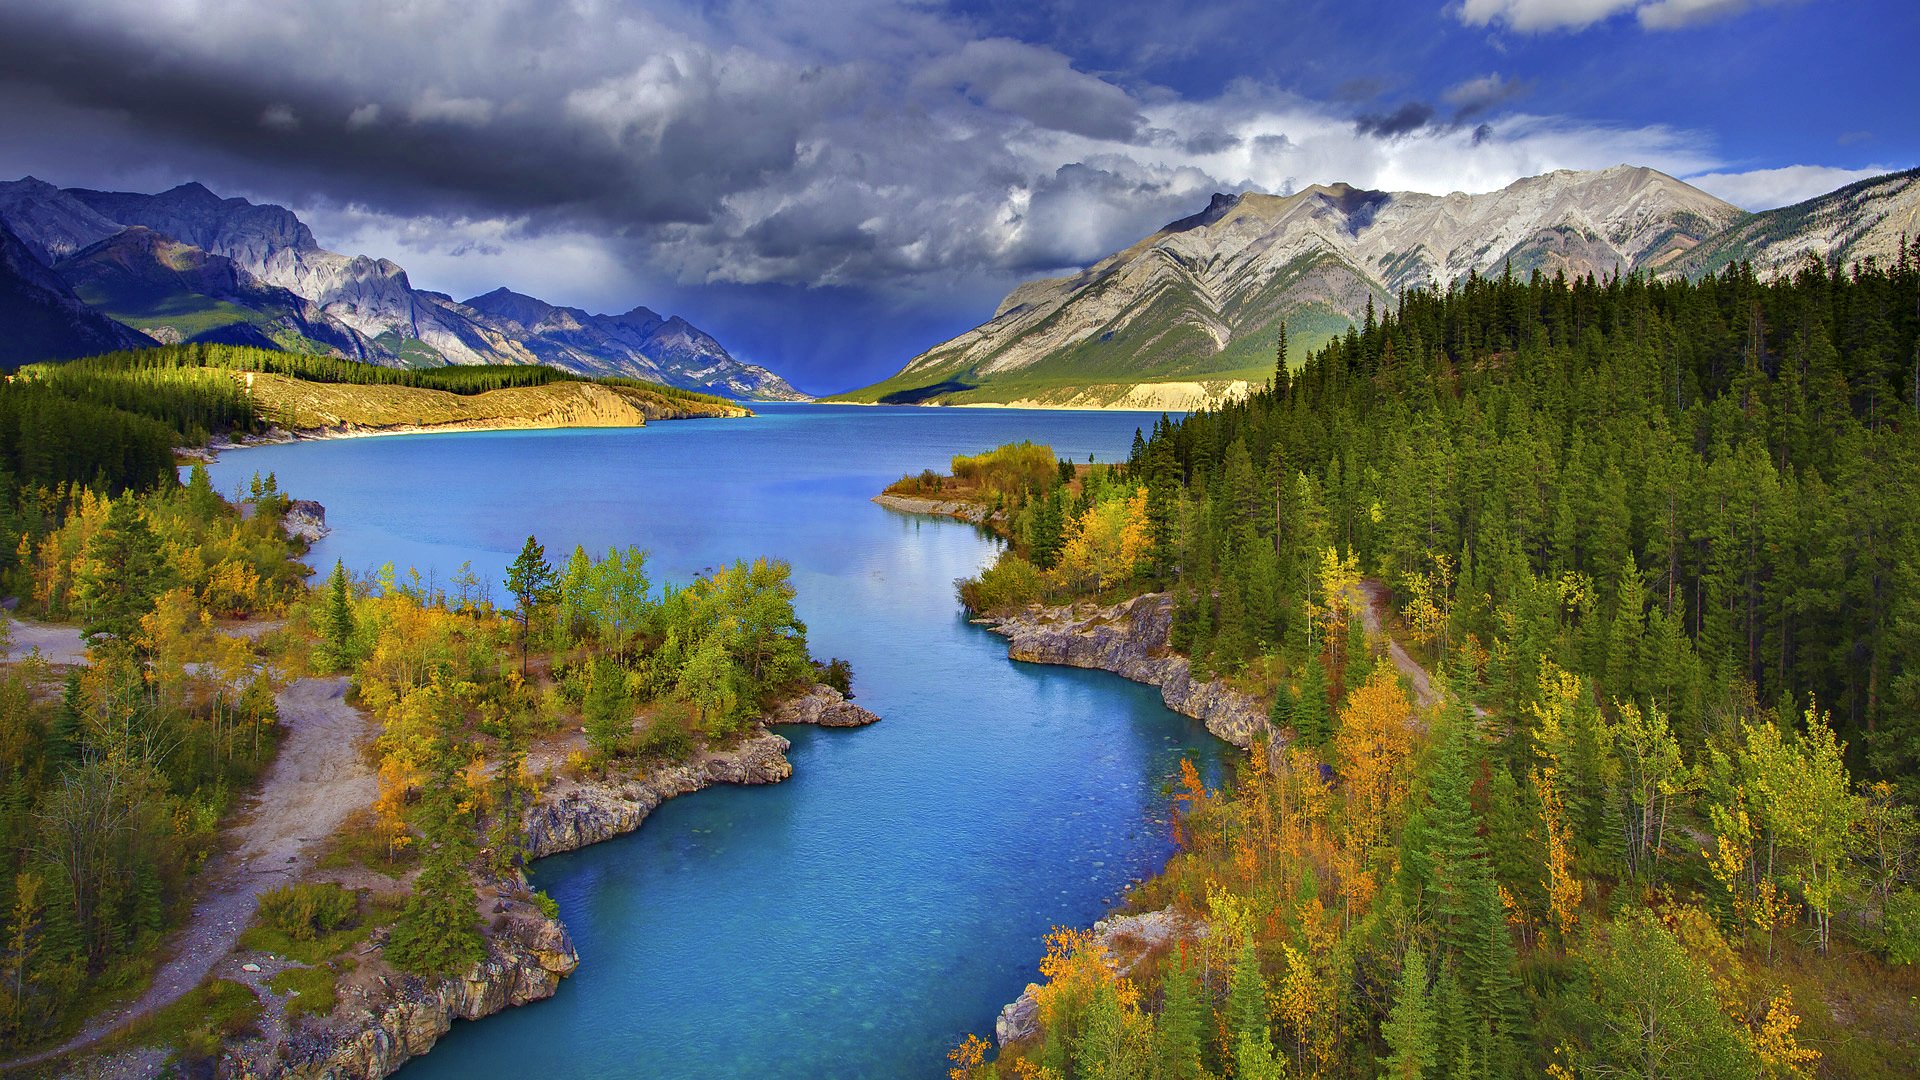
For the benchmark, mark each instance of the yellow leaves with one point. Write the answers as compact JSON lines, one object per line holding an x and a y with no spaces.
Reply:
{"x":232,"y":588}
{"x":1560,"y":694}
{"x":1775,"y":1041}
{"x":1429,"y":603}
{"x":1076,"y":968}
{"x":1563,"y":888}
{"x":1336,"y":578}
{"x":1105,"y":544}
{"x":389,"y":808}
{"x":1374,"y":740}
{"x":966,"y":1057}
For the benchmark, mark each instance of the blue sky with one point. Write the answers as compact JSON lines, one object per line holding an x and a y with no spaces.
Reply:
{"x":830,"y":188}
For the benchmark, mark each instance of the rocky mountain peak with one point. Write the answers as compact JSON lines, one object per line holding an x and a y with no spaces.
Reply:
{"x":504,"y":303}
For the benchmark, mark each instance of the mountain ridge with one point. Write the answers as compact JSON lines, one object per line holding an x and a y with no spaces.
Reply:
{"x":355,"y":306}
{"x":1197,"y":304}
{"x":43,"y":315}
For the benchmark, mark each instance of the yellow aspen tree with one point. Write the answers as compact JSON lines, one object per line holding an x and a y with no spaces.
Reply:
{"x":1563,"y":887}
{"x":1775,"y":1041}
{"x":1373,"y":742}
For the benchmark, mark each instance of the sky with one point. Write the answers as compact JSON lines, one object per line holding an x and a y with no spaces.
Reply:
{"x":832,"y":186}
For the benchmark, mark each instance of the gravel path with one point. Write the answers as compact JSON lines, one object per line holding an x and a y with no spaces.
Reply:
{"x":1376,"y":601}
{"x":316,"y":780}
{"x":58,"y":644}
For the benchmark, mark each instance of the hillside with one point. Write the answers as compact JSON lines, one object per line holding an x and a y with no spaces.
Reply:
{"x":1195,"y":308}
{"x":176,"y":292}
{"x":308,"y":407}
{"x":42,"y":317}
{"x":281,"y":287}
{"x":1858,"y":222}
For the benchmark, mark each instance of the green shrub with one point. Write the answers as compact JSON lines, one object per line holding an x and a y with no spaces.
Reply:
{"x":666,"y":738}
{"x":1010,"y":584}
{"x":304,"y":912}
{"x":1903,"y":927}
{"x":548,"y":905}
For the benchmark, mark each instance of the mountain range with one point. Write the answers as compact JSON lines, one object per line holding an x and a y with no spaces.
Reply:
{"x":188,"y":265}
{"x":1191,"y":313}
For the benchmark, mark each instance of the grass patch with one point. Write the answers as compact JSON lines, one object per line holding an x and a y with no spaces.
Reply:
{"x":360,"y":845}
{"x":198,"y":1024}
{"x":310,"y":991}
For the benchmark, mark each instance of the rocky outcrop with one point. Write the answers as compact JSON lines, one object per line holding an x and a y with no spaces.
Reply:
{"x":305,"y":520}
{"x":822,"y":706}
{"x":1130,"y":639}
{"x":970,"y":512}
{"x":387,"y":1018}
{"x":390,"y":1018}
{"x":574,"y":813}
{"x":1126,"y":939}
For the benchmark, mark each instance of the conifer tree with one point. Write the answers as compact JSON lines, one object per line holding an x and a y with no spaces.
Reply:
{"x":336,"y":620}
{"x":1177,"y":1041}
{"x":530,"y":579}
{"x":1313,"y":716}
{"x":1409,"y":1028}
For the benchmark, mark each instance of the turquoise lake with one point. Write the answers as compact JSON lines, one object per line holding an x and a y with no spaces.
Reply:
{"x":859,"y":919}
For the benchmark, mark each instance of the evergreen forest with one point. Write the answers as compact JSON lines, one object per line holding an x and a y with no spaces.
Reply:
{"x":1655,"y":541}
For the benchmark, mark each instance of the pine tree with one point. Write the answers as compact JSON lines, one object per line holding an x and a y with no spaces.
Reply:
{"x":530,"y":579}
{"x":607,"y":712}
{"x":336,"y":620}
{"x":126,"y":572}
{"x":1177,"y":1035}
{"x":1251,"y":1040}
{"x":1409,"y":1028}
{"x":1313,"y":717}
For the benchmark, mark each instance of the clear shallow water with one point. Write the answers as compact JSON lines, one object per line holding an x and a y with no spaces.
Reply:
{"x":858,"y":919}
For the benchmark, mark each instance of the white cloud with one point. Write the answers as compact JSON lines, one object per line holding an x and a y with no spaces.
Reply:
{"x":435,"y":107}
{"x":363,"y":117}
{"x":1533,"y":16}
{"x":1765,"y":189}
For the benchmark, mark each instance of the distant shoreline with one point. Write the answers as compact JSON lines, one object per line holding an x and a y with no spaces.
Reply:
{"x":220,"y":444}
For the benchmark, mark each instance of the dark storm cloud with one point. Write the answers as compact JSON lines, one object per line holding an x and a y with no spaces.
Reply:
{"x":1038,"y":85}
{"x":437,"y":150}
{"x":1405,"y":120}
{"x":1475,"y":97}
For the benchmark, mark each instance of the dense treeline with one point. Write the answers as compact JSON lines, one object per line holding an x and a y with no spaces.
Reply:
{"x":1655,"y":541}
{"x":112,"y":785}
{"x":453,"y":378}
{"x":109,"y":424}
{"x":1707,"y":486}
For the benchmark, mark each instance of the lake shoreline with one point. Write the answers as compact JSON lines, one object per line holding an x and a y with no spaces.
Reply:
{"x":277,"y":436}
{"x":400,"y":1017}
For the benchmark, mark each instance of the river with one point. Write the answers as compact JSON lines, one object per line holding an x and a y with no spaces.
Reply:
{"x":857,"y":920}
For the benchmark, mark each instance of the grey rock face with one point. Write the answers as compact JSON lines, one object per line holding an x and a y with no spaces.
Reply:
{"x":367,"y":308}
{"x":1178,"y":299}
{"x":1130,"y":640}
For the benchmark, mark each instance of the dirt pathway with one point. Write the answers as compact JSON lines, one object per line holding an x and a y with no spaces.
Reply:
{"x":316,"y":780}
{"x":58,"y":643}
{"x":1375,"y":592}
